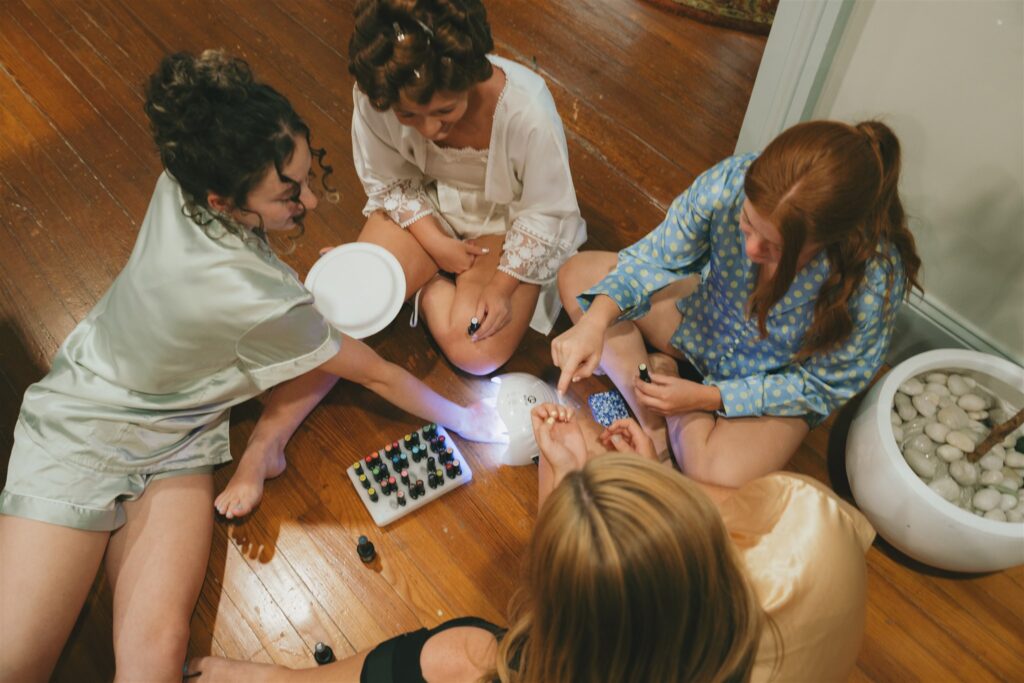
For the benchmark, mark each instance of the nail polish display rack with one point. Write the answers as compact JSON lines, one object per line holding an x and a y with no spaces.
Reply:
{"x":378,"y":479}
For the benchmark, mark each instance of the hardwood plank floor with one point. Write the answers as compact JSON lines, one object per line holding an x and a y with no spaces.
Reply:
{"x":649,"y":99}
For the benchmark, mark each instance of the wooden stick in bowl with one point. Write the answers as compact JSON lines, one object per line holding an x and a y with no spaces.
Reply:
{"x":996,"y":435}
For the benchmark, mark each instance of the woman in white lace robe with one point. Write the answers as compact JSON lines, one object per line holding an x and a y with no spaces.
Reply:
{"x":463,"y":159}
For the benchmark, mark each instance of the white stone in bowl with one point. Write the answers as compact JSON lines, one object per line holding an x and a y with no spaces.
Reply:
{"x":912,"y":387}
{"x":986,"y":499}
{"x":906,"y":409}
{"x":953,"y":417}
{"x":965,"y":473}
{"x":957,"y":385}
{"x":949,"y":453}
{"x":960,"y":439}
{"x":937,"y":432}
{"x":971,"y":402}
{"x":991,"y":461}
{"x":926,"y":404}
{"x":990,"y":477}
{"x":948,"y":489}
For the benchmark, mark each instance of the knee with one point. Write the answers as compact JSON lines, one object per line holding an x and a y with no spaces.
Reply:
{"x":376,"y":224}
{"x":710,"y":465}
{"x":16,"y":667}
{"x":571,"y":280}
{"x":694,"y":462}
{"x":474,"y":362}
{"x":481,"y":358}
{"x":580,"y":273}
{"x":155,"y":650}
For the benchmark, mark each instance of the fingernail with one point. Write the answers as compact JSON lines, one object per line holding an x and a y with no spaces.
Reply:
{"x":550,"y":420}
{"x":575,"y":379}
{"x":486,"y":250}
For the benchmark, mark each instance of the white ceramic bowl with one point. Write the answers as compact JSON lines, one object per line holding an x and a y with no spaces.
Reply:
{"x":902,"y":508}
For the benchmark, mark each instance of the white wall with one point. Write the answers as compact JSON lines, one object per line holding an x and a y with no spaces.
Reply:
{"x":948,"y":76}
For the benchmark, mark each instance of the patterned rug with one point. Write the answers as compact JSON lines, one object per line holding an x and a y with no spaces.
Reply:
{"x":754,"y":16}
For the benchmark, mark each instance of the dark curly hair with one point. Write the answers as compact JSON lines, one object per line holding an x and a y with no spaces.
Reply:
{"x":218,"y":130}
{"x":418,"y":47}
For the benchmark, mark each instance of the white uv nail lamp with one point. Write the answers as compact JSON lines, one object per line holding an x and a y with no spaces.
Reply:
{"x":518,"y":394}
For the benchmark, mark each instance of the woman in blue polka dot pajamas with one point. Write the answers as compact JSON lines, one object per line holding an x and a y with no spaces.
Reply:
{"x":777,"y":276}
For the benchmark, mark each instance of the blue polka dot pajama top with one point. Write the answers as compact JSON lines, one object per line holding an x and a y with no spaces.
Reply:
{"x":756,"y":376}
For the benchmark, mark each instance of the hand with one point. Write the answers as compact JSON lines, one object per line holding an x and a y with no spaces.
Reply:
{"x":481,"y":422}
{"x":670,"y":395}
{"x":494,"y":307}
{"x":559,"y":438}
{"x":577,"y":352}
{"x":626,"y":436}
{"x":455,"y":256}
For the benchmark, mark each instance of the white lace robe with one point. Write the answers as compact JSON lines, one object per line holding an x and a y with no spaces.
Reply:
{"x":527,"y":172}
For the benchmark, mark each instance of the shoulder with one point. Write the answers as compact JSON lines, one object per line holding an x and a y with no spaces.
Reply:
{"x":166,"y":202}
{"x":363,"y":111}
{"x":768,"y":517}
{"x":720,"y":186}
{"x":463,"y":653}
{"x":729,"y":173}
{"x":525,"y":100}
{"x":520,"y":78}
{"x":361,"y":101}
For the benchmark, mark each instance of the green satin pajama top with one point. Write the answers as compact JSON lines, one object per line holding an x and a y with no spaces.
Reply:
{"x":198,"y":321}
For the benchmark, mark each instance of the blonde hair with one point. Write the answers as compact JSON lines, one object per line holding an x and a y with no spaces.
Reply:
{"x":630,"y":577}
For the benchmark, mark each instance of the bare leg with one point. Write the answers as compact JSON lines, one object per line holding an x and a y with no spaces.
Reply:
{"x":624,"y":342}
{"x":732,"y":451}
{"x":417,"y":264}
{"x":263,"y":459}
{"x":219,"y":670}
{"x":156,"y":563}
{"x":45,"y":575}
{"x":449,"y":307}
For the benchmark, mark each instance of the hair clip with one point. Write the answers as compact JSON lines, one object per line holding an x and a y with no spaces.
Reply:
{"x":400,"y":35}
{"x":416,"y":73}
{"x":426,"y":29}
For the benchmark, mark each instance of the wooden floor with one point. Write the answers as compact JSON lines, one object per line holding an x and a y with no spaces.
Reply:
{"x":649,"y":100}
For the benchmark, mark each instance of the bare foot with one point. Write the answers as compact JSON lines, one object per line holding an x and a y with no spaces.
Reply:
{"x":244,"y":490}
{"x":214,"y":669}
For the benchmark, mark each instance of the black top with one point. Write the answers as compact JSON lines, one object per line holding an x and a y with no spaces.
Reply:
{"x":398,"y":660}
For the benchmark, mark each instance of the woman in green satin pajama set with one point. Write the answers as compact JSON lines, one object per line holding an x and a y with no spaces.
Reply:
{"x":115,"y":447}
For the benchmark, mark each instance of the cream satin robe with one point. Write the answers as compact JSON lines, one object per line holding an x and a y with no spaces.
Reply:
{"x":803,"y":548}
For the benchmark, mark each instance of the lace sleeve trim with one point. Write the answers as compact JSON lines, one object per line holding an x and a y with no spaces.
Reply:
{"x":404,"y":202}
{"x":530,"y":257}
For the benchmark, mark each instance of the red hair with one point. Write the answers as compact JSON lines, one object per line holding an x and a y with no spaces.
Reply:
{"x":833,"y":184}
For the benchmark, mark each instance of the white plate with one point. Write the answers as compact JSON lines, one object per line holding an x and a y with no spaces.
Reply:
{"x":358,"y":287}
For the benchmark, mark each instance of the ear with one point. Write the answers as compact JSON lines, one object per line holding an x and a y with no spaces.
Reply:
{"x":218,"y":203}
